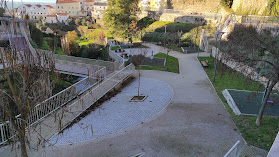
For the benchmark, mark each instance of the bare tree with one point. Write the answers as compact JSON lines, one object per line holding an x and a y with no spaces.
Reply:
{"x":259,"y":50}
{"x":138,"y":61}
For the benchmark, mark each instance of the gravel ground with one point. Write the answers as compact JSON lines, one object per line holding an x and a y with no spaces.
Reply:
{"x":118,"y":113}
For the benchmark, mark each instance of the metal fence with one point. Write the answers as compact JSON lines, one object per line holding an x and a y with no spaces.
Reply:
{"x":53,"y":103}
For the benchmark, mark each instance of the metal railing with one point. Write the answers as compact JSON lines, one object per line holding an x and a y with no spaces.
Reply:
{"x":51,"y":104}
{"x":234,"y":151}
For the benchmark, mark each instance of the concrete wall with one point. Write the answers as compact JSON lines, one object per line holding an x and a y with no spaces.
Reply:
{"x":245,"y":6}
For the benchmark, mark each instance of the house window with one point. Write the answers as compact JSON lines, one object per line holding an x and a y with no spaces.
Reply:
{"x":58,"y":7}
{"x":44,"y":8}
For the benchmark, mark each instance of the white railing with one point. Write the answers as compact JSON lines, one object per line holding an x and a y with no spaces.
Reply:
{"x":234,"y":151}
{"x":117,"y":58}
{"x":53,"y":103}
{"x":23,"y":32}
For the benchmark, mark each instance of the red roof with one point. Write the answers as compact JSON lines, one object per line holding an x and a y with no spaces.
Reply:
{"x":49,"y":6}
{"x":62,"y":14}
{"x":28,"y":5}
{"x":38,"y":5}
{"x":66,"y":1}
{"x":50,"y":15}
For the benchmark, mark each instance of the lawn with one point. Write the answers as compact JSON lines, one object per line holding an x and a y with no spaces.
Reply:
{"x":173,"y":64}
{"x":175,"y":48}
{"x":59,"y":51}
{"x":259,"y":136}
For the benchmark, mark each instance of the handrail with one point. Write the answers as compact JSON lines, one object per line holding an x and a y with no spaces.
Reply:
{"x":51,"y":104}
{"x":234,"y":151}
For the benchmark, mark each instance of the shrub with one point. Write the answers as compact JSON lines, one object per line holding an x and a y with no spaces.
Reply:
{"x":78,"y":22}
{"x":83,"y":22}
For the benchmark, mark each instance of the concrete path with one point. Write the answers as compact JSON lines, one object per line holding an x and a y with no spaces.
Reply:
{"x":195,"y":123}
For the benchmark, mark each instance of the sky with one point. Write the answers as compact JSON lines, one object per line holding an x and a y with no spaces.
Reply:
{"x":35,"y":1}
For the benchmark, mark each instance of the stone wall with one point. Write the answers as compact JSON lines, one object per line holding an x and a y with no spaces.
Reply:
{"x":239,"y":67}
{"x":172,"y":17}
{"x":245,"y":6}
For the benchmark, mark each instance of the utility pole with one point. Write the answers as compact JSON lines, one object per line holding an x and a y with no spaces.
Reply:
{"x":165,"y":35}
{"x":217,"y":52}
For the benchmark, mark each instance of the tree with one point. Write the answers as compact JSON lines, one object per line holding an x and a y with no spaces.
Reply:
{"x":78,"y":22}
{"x":88,"y":18}
{"x":83,"y":22}
{"x":138,"y":61}
{"x":36,"y":34}
{"x":40,"y":18}
{"x":120,"y":17}
{"x":23,"y":85}
{"x":258,"y":50}
{"x":2,"y":11}
{"x":74,"y":47}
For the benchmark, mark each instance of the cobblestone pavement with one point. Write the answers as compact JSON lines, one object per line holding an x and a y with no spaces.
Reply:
{"x":118,"y":113}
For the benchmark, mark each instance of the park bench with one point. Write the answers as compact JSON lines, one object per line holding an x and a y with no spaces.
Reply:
{"x":204,"y":63}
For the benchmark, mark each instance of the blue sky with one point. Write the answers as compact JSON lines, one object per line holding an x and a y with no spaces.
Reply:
{"x":37,"y":1}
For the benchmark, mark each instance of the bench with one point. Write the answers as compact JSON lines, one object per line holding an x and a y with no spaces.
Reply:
{"x":204,"y":63}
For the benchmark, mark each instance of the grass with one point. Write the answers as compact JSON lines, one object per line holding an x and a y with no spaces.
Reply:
{"x":260,"y":136}
{"x":115,"y":47}
{"x":175,"y":48}
{"x":45,"y":46}
{"x":173,"y":64}
{"x":59,"y":51}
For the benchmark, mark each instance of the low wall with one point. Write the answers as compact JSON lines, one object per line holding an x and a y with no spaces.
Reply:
{"x":242,"y":68}
{"x":110,"y":66}
{"x":194,"y":19}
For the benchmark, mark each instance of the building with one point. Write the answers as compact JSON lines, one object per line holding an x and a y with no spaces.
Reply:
{"x":99,"y":9}
{"x":35,"y":11}
{"x":154,"y":4}
{"x":75,"y":7}
{"x":62,"y":17}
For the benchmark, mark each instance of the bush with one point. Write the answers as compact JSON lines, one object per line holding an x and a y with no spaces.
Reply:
{"x":36,"y":35}
{"x":2,"y":11}
{"x":83,"y":22}
{"x":145,"y":22}
{"x":227,"y":3}
{"x":78,"y":22}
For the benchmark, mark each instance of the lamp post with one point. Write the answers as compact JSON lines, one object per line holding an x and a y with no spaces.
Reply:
{"x":218,"y":37}
{"x":165,"y":35}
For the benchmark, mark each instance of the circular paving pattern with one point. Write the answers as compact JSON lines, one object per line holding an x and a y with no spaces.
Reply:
{"x":119,"y":113}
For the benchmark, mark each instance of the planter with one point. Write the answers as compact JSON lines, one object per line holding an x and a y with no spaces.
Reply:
{"x":138,"y":98}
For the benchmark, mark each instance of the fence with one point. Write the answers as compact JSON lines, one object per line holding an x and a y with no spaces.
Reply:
{"x":51,"y":104}
{"x":234,"y":151}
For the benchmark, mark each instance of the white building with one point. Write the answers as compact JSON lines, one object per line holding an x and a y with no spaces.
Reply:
{"x":99,"y":9}
{"x":75,"y":7}
{"x":50,"y":19}
{"x":35,"y":11}
{"x":62,"y":17}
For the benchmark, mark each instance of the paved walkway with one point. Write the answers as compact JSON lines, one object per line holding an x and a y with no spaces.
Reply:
{"x":195,"y":123}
